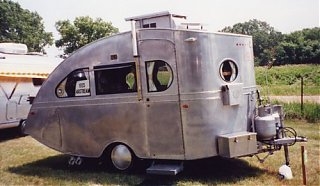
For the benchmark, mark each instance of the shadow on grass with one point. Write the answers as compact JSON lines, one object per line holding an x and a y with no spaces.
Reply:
{"x":212,"y":171}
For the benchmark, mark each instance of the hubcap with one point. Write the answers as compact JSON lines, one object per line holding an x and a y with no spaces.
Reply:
{"x":23,"y":126}
{"x":121,"y":157}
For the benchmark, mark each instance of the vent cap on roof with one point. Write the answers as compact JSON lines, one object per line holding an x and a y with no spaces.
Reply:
{"x":13,"y":48}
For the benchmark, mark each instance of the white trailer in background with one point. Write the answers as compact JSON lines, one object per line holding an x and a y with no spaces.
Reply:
{"x":21,"y":75}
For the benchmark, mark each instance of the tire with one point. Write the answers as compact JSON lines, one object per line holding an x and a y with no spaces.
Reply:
{"x":22,"y":128}
{"x":121,"y":157}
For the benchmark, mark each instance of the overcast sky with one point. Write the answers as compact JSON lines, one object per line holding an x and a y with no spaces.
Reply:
{"x":284,"y":15}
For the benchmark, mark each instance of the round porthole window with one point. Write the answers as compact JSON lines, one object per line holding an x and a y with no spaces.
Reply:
{"x":228,"y":70}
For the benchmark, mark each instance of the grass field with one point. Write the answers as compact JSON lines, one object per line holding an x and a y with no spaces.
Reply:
{"x":310,"y":112}
{"x":24,"y":161}
{"x":286,"y":80}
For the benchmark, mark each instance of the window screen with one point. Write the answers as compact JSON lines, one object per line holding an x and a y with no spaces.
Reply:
{"x":114,"y":79}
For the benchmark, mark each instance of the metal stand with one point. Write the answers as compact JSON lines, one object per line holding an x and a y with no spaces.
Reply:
{"x":286,"y":154}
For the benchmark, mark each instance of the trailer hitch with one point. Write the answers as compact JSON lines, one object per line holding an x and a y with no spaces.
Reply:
{"x":289,"y":141}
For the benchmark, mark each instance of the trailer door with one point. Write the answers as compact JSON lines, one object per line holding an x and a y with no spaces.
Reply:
{"x":161,"y":99}
{"x":11,"y":110}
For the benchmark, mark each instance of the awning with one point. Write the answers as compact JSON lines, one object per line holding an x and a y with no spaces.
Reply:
{"x":28,"y":66}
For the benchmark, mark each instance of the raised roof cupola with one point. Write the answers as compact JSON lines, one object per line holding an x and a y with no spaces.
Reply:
{"x":162,"y":20}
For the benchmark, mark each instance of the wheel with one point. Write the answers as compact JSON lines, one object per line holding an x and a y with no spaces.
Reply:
{"x":22,"y":128}
{"x":121,"y":157}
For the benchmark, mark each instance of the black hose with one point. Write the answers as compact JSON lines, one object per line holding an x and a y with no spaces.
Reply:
{"x":287,"y":131}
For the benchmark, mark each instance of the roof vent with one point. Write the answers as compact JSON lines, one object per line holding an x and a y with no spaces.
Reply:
{"x":191,"y":26}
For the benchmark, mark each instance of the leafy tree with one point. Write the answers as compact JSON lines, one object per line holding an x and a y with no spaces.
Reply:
{"x":22,"y":26}
{"x":264,"y":37}
{"x":299,"y":47}
{"x":83,"y":31}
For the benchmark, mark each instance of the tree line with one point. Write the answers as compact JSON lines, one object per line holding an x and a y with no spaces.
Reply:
{"x":22,"y":26}
{"x":270,"y":46}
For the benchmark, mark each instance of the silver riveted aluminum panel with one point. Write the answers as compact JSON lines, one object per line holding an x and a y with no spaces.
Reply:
{"x":204,"y":116}
{"x":85,"y":126}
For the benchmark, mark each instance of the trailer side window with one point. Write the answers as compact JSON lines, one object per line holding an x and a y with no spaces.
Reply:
{"x":228,"y":70}
{"x":114,"y":79}
{"x":76,"y":84}
{"x":159,"y":76}
{"x":151,"y":25}
{"x":38,"y":81}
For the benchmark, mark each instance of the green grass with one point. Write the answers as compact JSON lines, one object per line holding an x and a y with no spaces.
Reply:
{"x":164,"y":77}
{"x":24,"y":161}
{"x":310,"y":111}
{"x":288,"y":90}
{"x":286,"y":80}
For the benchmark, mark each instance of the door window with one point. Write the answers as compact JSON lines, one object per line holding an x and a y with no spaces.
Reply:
{"x":159,"y":76}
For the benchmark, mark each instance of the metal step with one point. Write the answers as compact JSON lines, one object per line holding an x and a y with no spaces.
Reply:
{"x":165,"y":169}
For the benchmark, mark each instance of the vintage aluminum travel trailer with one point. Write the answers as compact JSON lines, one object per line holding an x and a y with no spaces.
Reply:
{"x":21,"y":75}
{"x":167,"y":90}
